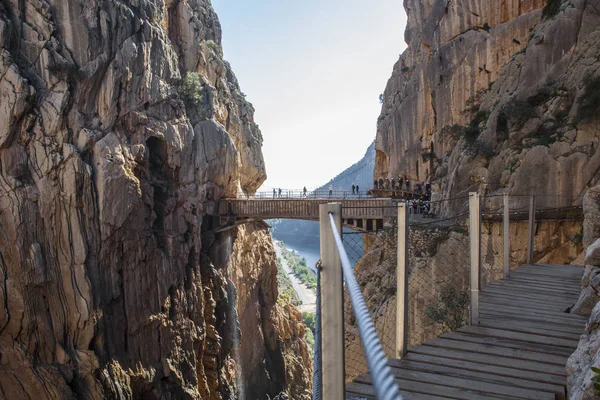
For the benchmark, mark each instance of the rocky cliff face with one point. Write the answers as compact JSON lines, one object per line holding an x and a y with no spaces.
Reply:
{"x":495,"y":95}
{"x":120,"y":125}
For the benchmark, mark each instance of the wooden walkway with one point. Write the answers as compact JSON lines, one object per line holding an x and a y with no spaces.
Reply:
{"x":518,"y":351}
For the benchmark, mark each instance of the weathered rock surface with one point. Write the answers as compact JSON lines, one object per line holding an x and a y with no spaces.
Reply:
{"x":587,"y":355}
{"x":113,"y":285}
{"x":488,"y":97}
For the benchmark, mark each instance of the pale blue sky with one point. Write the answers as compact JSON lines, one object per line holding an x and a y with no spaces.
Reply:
{"x":314,"y":71}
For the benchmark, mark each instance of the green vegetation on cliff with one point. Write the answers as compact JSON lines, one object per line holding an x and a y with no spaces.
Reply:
{"x":287,"y":294}
{"x":299,"y":266}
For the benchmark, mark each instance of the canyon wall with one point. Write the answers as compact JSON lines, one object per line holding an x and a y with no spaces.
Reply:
{"x":120,"y":127}
{"x":495,"y":96}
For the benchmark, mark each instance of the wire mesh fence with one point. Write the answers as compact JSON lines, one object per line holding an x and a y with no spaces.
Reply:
{"x":438,"y":265}
{"x":376,"y":276}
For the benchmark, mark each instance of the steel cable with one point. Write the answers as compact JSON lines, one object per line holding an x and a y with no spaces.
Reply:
{"x":381,"y":373}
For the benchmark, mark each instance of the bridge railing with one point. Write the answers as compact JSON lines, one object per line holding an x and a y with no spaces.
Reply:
{"x":304,"y":208}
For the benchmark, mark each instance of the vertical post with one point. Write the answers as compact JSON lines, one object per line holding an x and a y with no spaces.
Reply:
{"x":402,"y":282}
{"x":475,"y":237}
{"x":531,"y":230}
{"x":506,"y":226}
{"x":332,"y":311}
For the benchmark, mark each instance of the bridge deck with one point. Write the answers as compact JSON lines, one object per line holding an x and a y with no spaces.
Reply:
{"x":519,"y":350}
{"x":305,"y":208}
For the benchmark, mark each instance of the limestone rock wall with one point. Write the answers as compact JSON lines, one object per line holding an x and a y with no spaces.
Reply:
{"x":488,"y":96}
{"x":112,"y":283}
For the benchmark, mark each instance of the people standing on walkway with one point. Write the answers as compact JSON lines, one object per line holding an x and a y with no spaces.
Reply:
{"x":279,"y":192}
{"x":304,"y":192}
{"x":353,"y":188}
{"x":330,"y":190}
{"x":380,"y":183}
{"x":357,"y":192}
{"x":274,"y":193}
{"x":375,"y":184}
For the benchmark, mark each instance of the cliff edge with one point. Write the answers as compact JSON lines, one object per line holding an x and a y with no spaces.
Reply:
{"x":120,"y":126}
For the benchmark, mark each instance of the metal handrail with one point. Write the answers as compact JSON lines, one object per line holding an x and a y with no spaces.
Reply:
{"x":317,"y":370}
{"x":381,"y":373}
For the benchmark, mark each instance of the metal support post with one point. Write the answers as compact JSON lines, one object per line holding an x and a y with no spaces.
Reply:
{"x":506,"y":226}
{"x":332,"y":301}
{"x":402,"y":282}
{"x":531,"y":231}
{"x":475,"y":238}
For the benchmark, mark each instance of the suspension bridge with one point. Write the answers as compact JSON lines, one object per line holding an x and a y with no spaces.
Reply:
{"x":515,"y":340}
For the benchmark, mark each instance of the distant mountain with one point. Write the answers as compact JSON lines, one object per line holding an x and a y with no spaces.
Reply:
{"x":360,"y":173}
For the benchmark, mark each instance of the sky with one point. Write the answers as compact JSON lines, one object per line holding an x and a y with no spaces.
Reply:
{"x":313,"y":70}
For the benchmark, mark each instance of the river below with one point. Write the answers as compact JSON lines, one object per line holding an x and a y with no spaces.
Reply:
{"x":305,"y":294}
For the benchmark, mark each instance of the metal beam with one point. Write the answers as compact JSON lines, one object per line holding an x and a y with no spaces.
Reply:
{"x":475,"y":241}
{"x":506,"y":226}
{"x":332,"y":304}
{"x":402,"y":282}
{"x":531,"y":230}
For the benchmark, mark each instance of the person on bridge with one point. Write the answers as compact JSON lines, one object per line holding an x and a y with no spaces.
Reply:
{"x":380,"y":183}
{"x":375,"y":184}
{"x":274,"y":193}
{"x":357,"y":192}
{"x":304,"y":192}
{"x":279,"y":192}
{"x":393,"y":184}
{"x":330,"y":190}
{"x":353,"y":188}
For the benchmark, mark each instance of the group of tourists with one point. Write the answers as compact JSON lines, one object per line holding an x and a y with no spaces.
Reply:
{"x":404,"y":184}
{"x":419,"y":206}
{"x":355,"y":189}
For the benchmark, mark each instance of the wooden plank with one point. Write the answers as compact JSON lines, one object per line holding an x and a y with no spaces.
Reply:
{"x":526,"y":328}
{"x":549,"y":273}
{"x":498,"y":351}
{"x":560,"y":300}
{"x":513,"y":344}
{"x":536,"y":289}
{"x":468,"y":365}
{"x":521,"y":336}
{"x":557,"y":267}
{"x":498,"y":298}
{"x":575,"y":282}
{"x":544,"y":317}
{"x":542,"y":324}
{"x":462,"y":383}
{"x":569,"y":319}
{"x":566,"y":318}
{"x":534,"y":322}
{"x":498,"y":361}
{"x":475,"y":375}
{"x":442,"y":391}
{"x":359,"y":391}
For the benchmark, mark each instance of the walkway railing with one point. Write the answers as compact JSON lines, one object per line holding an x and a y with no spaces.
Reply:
{"x":441,"y":265}
{"x":335,"y":265}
